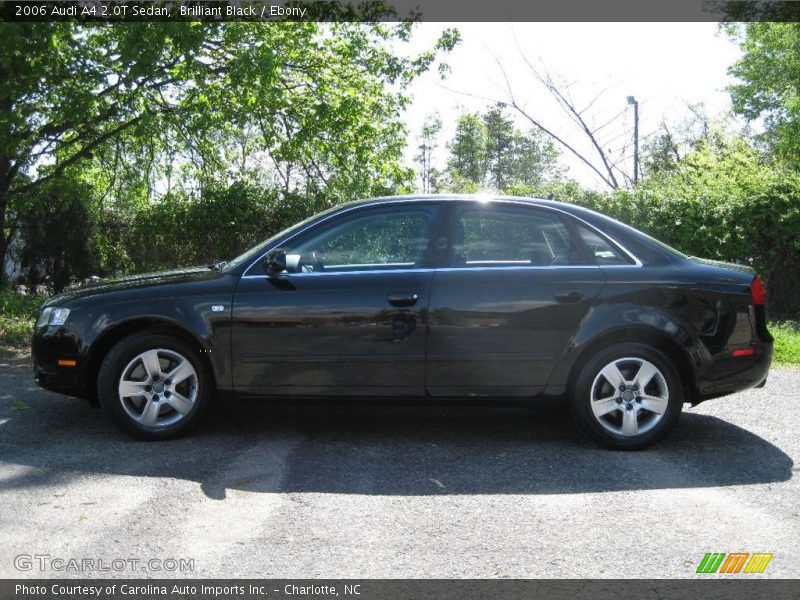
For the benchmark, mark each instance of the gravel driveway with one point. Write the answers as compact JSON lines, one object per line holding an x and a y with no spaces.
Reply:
{"x":398,"y":492}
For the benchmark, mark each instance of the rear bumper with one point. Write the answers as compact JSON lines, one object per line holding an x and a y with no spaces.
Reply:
{"x":726,"y":374}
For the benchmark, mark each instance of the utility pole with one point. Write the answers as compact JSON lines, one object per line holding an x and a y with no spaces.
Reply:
{"x":632,"y":100}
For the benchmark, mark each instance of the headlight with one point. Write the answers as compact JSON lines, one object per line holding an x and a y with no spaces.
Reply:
{"x":53,"y":316}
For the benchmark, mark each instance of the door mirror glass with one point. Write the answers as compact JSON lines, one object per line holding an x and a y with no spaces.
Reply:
{"x":275,"y":261}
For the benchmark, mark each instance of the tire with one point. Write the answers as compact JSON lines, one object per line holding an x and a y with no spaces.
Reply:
{"x":156,"y":407}
{"x":636,"y":417}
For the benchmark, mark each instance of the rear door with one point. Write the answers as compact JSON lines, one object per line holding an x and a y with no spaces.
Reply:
{"x":515,"y":285}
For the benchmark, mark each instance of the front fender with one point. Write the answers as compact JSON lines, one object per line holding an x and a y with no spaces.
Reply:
{"x":93,"y":329}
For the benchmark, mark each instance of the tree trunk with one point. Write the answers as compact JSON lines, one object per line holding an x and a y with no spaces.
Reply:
{"x":7,"y":172}
{"x":3,"y":240}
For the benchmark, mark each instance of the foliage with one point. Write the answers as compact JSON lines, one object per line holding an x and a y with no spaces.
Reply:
{"x":697,"y":206}
{"x":18,"y":313}
{"x":663,"y":149}
{"x":489,"y":152}
{"x":55,"y":228}
{"x":769,"y":83}
{"x":424,"y":158}
{"x":661,"y":153}
{"x":467,"y":162}
{"x":722,"y":201}
{"x":306,"y":108}
{"x":787,"y":341}
{"x":179,"y":230}
{"x":500,"y":150}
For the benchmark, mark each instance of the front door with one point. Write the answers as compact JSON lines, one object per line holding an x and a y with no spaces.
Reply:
{"x":349,"y":315}
{"x":516,"y":286}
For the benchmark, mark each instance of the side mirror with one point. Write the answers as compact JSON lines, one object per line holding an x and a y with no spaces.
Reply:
{"x":275,"y":261}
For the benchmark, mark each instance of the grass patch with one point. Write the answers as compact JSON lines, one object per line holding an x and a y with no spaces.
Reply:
{"x":787,"y":341}
{"x":18,"y":313}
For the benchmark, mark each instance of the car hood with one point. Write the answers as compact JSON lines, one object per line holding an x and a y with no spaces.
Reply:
{"x":143,"y":280}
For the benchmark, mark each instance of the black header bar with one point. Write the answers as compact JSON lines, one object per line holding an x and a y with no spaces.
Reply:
{"x":713,"y":588}
{"x":400,"y":10}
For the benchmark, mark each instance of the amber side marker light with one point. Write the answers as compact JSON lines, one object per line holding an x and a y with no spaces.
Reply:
{"x":66,"y":362}
{"x":743,"y":352}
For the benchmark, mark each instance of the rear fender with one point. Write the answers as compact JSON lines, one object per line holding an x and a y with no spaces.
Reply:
{"x":608,"y":324}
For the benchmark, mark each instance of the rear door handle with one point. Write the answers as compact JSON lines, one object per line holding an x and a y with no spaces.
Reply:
{"x":568,"y":297}
{"x":403,"y":300}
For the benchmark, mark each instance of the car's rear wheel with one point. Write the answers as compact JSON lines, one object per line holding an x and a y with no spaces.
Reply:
{"x":627,"y":396}
{"x":154,"y":386}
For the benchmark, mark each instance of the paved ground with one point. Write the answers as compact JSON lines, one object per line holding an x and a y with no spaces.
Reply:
{"x":400,"y":492}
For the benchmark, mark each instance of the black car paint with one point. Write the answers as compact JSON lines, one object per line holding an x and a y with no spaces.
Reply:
{"x":492,"y":332}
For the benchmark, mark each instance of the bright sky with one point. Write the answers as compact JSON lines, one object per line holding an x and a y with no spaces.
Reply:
{"x":666,"y":66}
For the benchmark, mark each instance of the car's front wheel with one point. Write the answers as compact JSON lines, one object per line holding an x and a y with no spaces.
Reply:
{"x":627,"y":396}
{"x":154,"y":386}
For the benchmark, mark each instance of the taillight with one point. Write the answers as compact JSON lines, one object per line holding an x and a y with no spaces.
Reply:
{"x":758,"y":292}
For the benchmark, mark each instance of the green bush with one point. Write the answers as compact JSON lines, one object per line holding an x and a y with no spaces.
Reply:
{"x":178,"y":230}
{"x":787,"y":341}
{"x":56,"y":229}
{"x":721,"y":201}
{"x":18,"y":313}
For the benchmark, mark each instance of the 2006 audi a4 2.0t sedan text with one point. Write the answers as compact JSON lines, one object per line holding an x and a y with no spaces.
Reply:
{"x":420,"y":297}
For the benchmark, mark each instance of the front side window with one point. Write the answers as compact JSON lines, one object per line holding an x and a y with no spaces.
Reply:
{"x":371,"y":239}
{"x":507,"y":236}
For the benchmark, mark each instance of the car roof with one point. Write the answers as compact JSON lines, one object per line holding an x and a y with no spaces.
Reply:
{"x":480,"y":198}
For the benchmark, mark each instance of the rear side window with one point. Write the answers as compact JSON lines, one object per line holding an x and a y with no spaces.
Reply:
{"x":508,"y":236}
{"x":602,"y":250}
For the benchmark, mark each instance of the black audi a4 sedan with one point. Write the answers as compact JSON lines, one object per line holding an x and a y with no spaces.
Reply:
{"x":420,"y":297}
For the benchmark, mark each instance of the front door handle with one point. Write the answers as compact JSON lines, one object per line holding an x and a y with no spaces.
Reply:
{"x":568,"y":297}
{"x":403,"y":300}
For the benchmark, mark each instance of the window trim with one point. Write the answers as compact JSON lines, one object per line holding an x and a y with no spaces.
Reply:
{"x":446,"y":207}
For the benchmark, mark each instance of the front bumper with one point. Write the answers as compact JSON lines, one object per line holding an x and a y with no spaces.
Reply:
{"x":51,"y":344}
{"x":57,"y":379}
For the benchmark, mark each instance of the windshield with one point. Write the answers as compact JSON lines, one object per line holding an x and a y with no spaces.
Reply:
{"x":255,"y":250}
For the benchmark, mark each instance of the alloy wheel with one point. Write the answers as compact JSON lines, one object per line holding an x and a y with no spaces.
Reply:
{"x":158,"y":388}
{"x":629,"y":396}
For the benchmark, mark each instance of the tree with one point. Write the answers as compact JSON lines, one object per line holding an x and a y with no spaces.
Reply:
{"x":663,"y":149}
{"x":769,"y":87}
{"x":724,"y":200}
{"x":56,"y":229}
{"x":500,"y":148}
{"x":534,"y":158}
{"x":489,"y":151}
{"x":138,"y":102}
{"x":609,"y":169}
{"x":429,"y":140}
{"x":468,"y":152}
